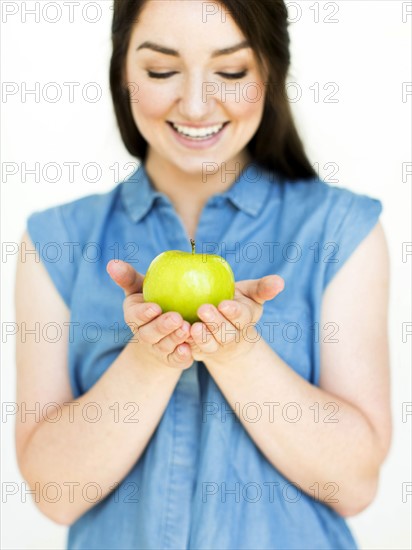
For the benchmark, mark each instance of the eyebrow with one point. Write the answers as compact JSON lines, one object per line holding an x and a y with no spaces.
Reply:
{"x":175,"y":53}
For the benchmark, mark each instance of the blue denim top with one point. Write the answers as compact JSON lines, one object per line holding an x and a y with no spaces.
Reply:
{"x":201,"y":482}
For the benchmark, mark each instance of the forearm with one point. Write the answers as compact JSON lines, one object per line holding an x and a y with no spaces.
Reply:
{"x":79,"y":450}
{"x":310,"y":441}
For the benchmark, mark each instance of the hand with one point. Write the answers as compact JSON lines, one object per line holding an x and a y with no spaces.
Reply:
{"x":228,"y":330}
{"x":160,"y":336}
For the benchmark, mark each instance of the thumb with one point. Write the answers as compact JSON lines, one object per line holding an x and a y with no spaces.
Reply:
{"x":261,"y":290}
{"x":124,"y":275}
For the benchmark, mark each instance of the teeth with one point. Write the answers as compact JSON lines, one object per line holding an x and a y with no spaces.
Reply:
{"x":198,"y":132}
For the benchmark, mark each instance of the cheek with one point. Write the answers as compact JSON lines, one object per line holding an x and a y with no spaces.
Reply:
{"x":249,"y":104}
{"x":153,"y":103}
{"x":248,"y":112}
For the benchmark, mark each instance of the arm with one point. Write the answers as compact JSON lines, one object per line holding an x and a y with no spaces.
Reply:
{"x":73,"y":449}
{"x":354,"y":375}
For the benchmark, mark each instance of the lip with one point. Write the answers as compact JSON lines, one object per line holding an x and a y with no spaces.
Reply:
{"x":198,"y":144}
{"x":191,"y":125}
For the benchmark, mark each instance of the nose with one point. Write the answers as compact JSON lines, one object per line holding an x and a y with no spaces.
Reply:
{"x":194,"y":101}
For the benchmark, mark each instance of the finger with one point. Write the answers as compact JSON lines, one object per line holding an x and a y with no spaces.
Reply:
{"x":203,"y":338}
{"x":168,"y":344}
{"x":263,"y":289}
{"x":138,"y":313}
{"x":160,"y":327}
{"x":124,"y":275}
{"x":222,"y":329}
{"x":181,"y":357}
{"x":193,"y":346}
{"x":240,"y":312}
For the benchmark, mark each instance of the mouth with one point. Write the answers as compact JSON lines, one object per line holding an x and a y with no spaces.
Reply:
{"x":199,"y":133}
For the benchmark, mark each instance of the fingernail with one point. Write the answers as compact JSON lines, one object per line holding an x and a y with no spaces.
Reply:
{"x":171,"y":322}
{"x":152,"y":311}
{"x":197,"y":329}
{"x":180,"y":332}
{"x":227,"y":308}
{"x":114,"y":267}
{"x":208,"y":314}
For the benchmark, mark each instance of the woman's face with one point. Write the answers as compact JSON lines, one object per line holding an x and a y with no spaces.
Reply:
{"x":193,"y":85}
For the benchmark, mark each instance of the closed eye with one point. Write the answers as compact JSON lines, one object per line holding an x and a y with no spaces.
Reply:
{"x":160,"y":75}
{"x":230,"y":76}
{"x":233,"y":76}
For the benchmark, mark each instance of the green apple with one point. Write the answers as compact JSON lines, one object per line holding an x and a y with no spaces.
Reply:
{"x":183,"y":281}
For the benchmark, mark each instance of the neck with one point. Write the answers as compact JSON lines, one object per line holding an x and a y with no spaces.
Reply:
{"x":193,"y":188}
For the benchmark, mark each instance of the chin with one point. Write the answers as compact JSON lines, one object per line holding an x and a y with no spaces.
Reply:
{"x":197,"y":165}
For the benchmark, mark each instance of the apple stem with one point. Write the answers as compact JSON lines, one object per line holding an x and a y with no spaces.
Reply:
{"x":192,"y":242}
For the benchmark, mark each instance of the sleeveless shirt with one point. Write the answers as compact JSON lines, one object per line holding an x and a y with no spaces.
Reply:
{"x":201,"y":482}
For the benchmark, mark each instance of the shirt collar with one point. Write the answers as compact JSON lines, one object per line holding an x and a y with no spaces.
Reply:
{"x":138,"y":194}
{"x":250,"y":189}
{"x":248,"y":192}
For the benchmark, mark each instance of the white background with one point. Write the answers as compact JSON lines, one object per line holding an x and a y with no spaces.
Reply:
{"x":367,"y":134}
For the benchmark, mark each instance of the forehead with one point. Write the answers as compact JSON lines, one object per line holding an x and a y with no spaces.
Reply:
{"x":187,"y":25}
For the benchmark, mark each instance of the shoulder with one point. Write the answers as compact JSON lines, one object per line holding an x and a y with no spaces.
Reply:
{"x":332,"y":209}
{"x":316,"y":194}
{"x":335,"y":220}
{"x":75,"y":218}
{"x":60,"y":233}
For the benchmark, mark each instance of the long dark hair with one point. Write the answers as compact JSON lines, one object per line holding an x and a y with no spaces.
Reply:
{"x":276,"y":144}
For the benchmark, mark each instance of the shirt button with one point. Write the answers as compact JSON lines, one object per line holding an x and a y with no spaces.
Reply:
{"x":217,"y":202}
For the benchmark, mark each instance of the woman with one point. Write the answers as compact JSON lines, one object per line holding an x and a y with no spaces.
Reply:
{"x":265,"y":424}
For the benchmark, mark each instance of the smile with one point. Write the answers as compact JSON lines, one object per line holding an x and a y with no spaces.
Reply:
{"x":198,"y":133}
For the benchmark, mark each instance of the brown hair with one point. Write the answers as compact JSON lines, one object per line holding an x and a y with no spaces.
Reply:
{"x":276,"y":144}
